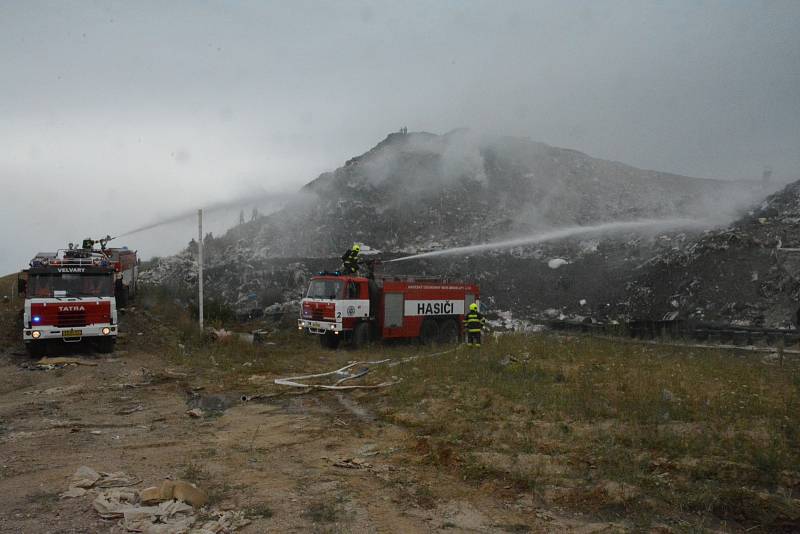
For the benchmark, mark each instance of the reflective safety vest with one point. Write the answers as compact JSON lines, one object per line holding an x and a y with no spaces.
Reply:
{"x":474,"y":321}
{"x":350,"y":260}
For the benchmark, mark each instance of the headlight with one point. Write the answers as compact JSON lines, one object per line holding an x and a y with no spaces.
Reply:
{"x":36,"y":334}
{"x":106,"y":330}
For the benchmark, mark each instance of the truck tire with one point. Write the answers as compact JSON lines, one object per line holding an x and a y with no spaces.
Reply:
{"x":448,"y":331}
{"x":122,"y":297}
{"x":329,"y":341}
{"x":361,"y":337}
{"x":105,"y":345}
{"x":36,"y":349}
{"x":429,"y":333}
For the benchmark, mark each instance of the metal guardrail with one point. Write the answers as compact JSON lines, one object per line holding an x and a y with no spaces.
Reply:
{"x":683,"y":329}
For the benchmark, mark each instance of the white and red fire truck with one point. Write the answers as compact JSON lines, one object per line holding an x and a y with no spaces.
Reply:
{"x":70,"y":295}
{"x":360,"y":309}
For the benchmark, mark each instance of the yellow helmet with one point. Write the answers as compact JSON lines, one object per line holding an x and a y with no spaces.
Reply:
{"x":356,"y":247}
{"x":473,"y":306}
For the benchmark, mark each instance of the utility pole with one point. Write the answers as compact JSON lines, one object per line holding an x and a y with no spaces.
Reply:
{"x":200,"y":267}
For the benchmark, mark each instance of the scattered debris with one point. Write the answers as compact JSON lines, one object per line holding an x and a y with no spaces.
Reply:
{"x":344,"y":373}
{"x":130,"y":410}
{"x":85,"y":478}
{"x":195,"y":412}
{"x":352,"y":463}
{"x":215,"y":334}
{"x":508,"y":359}
{"x":48,"y":364}
{"x":166,"y":509}
{"x":166,"y":517}
{"x":174,"y":489}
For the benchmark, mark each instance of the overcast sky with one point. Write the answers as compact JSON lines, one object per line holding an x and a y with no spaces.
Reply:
{"x":113,"y":114}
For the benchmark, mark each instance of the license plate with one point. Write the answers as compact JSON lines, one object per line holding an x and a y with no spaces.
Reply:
{"x":315,"y":325}
{"x":72,"y":333}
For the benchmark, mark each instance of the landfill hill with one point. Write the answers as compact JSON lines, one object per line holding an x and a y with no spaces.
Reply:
{"x":419,"y":191}
{"x":744,"y":274}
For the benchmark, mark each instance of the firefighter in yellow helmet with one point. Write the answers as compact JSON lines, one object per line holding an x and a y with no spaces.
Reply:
{"x":350,"y":260}
{"x":473,"y":323}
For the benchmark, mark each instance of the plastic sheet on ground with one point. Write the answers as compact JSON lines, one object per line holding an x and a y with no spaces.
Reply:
{"x":85,"y":478}
{"x":167,"y":517}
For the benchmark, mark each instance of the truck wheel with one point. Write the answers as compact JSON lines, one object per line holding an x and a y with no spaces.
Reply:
{"x":122,"y":297}
{"x":361,"y":336}
{"x":429,"y":332}
{"x":106,"y":345}
{"x":36,"y":349}
{"x":329,"y":341}
{"x":448,"y":331}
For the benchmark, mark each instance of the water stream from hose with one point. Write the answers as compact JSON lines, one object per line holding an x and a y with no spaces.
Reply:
{"x":563,"y":233}
{"x":251,"y":199}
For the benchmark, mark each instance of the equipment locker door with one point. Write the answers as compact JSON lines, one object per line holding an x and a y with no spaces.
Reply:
{"x":393,"y":310}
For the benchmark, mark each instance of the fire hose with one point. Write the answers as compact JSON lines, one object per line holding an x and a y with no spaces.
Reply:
{"x":345,"y":373}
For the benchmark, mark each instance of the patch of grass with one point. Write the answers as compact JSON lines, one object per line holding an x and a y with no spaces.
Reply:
{"x":43,"y":499}
{"x":194,"y":473}
{"x":424,"y":497}
{"x":218,"y":492}
{"x":322,"y":512}
{"x":225,"y":364}
{"x":261,"y":510}
{"x":684,"y":429}
{"x":208,"y":452}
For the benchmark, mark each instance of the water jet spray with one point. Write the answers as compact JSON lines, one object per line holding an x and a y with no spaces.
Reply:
{"x":561,"y":233}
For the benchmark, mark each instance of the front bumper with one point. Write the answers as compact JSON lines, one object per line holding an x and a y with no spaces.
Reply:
{"x":319,"y":327}
{"x":70,"y":334}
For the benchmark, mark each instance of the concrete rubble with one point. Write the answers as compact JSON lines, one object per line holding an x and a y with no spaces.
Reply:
{"x":170,"y":508}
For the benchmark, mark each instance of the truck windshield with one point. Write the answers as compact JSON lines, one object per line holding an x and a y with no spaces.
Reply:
{"x":325,"y":289}
{"x":72,"y":285}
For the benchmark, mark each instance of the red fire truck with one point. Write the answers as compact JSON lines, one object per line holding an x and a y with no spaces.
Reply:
{"x":360,"y":309}
{"x":126,"y":269}
{"x":70,"y":295}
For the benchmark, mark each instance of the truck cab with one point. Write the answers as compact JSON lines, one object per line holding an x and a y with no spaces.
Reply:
{"x":334,"y":306}
{"x":69,"y":297}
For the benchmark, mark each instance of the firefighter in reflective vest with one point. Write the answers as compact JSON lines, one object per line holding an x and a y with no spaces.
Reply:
{"x":473,"y":323}
{"x":350,"y":260}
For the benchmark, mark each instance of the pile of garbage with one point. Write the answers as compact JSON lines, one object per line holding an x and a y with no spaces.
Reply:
{"x":745,"y":274}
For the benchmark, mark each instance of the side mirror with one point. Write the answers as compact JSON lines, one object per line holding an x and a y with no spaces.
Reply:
{"x":22,"y":286}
